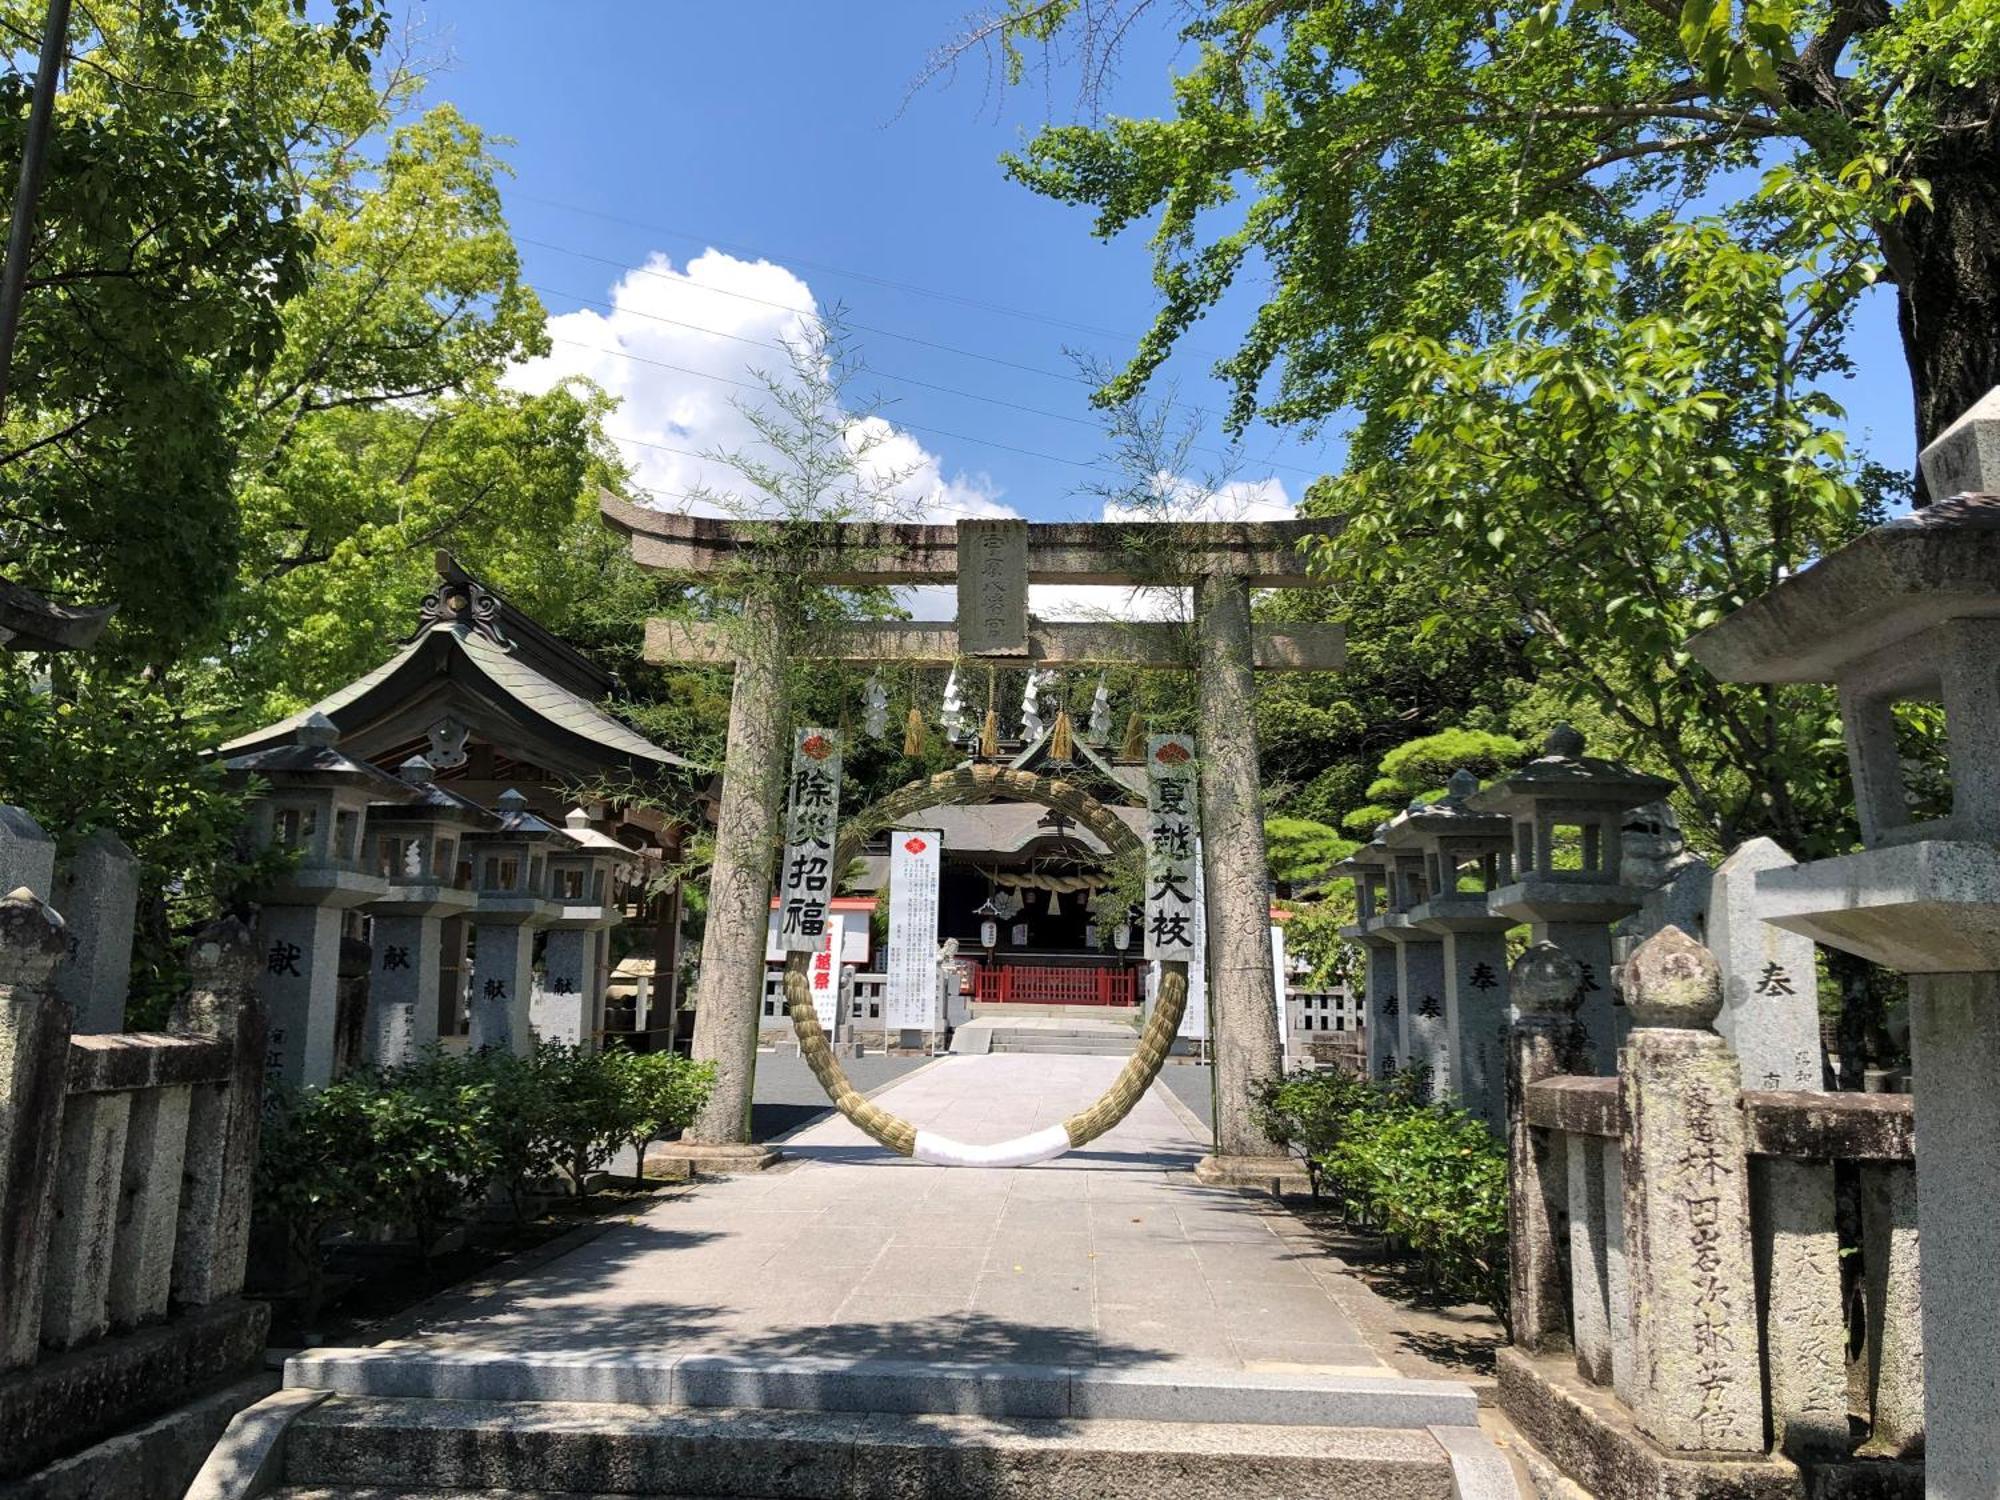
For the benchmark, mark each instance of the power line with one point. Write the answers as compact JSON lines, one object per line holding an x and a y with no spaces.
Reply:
{"x":1038,"y":411}
{"x":886,"y":333}
{"x":682,"y":279}
{"x":983,"y":304}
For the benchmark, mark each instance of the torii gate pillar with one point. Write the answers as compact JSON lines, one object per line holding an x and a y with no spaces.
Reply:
{"x":731,"y":985}
{"x":1247,"y":1045}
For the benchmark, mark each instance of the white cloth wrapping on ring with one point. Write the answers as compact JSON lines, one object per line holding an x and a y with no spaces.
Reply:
{"x":1022,"y":1151}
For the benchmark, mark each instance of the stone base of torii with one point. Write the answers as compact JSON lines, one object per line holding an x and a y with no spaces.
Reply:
{"x":993,"y":563}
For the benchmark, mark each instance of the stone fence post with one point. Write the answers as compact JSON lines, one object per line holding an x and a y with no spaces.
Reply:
{"x":97,"y":890}
{"x":1696,"y":1382}
{"x":213,"y":1241}
{"x":1543,"y":985}
{"x":34,"y":1071}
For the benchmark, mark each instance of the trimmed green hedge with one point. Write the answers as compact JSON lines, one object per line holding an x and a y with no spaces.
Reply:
{"x":1428,"y":1175}
{"x":420,"y":1147}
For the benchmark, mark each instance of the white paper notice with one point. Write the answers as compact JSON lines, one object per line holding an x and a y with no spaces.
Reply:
{"x":910,"y":996}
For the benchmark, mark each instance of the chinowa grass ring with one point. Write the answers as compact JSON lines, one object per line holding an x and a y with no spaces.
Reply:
{"x":965,"y":787}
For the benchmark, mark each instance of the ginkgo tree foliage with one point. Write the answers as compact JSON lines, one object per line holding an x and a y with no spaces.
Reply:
{"x":1370,"y":161}
{"x":1641,"y":450}
{"x":1578,"y":279}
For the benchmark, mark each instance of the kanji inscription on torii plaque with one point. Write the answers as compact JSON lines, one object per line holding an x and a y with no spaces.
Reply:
{"x":993,"y":588}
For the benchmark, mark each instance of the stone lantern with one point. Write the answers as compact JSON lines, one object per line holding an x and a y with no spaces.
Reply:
{"x":1567,"y":812}
{"x":1910,"y":612}
{"x":1419,"y":955}
{"x":317,"y":808}
{"x":510,"y":867}
{"x":1369,"y":868}
{"x":418,"y":848}
{"x":569,"y":1004}
{"x":1466,"y":856}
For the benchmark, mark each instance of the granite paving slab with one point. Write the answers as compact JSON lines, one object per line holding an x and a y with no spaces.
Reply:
{"x":1109,"y":1265}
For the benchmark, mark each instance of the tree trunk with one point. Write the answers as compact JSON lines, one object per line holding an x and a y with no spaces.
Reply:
{"x":1946,"y":260}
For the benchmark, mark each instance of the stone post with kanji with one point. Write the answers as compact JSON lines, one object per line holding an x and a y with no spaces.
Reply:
{"x":513,"y":883}
{"x":568,"y":1005}
{"x":1697,"y":1384}
{"x":417,"y":847}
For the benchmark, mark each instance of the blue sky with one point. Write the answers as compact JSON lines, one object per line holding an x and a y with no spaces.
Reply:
{"x":716,"y":169}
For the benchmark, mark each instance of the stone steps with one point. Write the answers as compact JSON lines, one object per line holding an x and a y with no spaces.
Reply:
{"x":373,"y":1448}
{"x":1079,"y":1043}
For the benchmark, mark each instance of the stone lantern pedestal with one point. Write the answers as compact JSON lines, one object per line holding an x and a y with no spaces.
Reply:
{"x":417,"y":848}
{"x":1466,"y":857}
{"x":568,"y":1005}
{"x":1566,"y":809}
{"x":1911,"y":612}
{"x":1381,"y":1015}
{"x":511,"y":873}
{"x":318,"y":802}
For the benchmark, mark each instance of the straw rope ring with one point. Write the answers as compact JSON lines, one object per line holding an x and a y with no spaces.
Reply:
{"x":968,"y":786}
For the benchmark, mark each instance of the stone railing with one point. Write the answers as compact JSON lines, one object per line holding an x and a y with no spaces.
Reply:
{"x":126,"y":1162}
{"x":1685,"y":1255}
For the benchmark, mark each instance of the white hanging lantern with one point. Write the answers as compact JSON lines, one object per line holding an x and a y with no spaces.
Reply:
{"x":875,"y":708}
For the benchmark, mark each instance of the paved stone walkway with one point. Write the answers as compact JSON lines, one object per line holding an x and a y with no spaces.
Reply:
{"x":1111,"y":1256}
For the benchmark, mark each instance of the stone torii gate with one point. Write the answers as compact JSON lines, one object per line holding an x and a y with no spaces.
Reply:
{"x":993,"y":563}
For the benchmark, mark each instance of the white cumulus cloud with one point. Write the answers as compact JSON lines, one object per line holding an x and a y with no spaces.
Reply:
{"x":679,"y":348}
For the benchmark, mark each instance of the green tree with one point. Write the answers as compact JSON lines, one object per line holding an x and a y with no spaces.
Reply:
{"x":1416,"y":771}
{"x":383,"y":432}
{"x":169,"y":236}
{"x":1637,"y":453}
{"x":1371,"y":161}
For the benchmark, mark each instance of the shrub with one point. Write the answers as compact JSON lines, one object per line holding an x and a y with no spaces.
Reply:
{"x":527,"y":1138}
{"x":306,"y":1180}
{"x":1435,"y":1178}
{"x":668,"y":1091}
{"x":1429,"y":1175}
{"x":1305,"y":1112}
{"x":589,"y":1104}
{"x":430,"y":1144}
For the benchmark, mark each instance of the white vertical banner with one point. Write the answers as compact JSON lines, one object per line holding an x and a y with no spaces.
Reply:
{"x":823,"y":973}
{"x":1194,"y":1020}
{"x":1172,"y":914}
{"x":807,"y":878}
{"x":910,"y":995}
{"x":1278,"y":968}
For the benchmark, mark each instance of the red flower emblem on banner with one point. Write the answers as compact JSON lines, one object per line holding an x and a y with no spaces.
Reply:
{"x":915,"y":845}
{"x":817,"y":747}
{"x":1172,"y":753}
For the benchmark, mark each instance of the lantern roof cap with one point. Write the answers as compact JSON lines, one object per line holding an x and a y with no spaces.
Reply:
{"x":430,"y":801}
{"x":1564,"y":773}
{"x":1448,"y":816}
{"x":516,"y":820}
{"x":576,"y":823}
{"x":310,"y":758}
{"x":1888,"y":584}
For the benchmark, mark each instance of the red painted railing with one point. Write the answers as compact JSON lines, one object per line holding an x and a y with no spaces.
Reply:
{"x":1051,"y":984}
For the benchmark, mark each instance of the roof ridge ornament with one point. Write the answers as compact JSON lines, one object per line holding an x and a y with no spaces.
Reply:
{"x":463,"y":602}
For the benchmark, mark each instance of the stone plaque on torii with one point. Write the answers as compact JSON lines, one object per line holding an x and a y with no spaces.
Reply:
{"x":993,"y":563}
